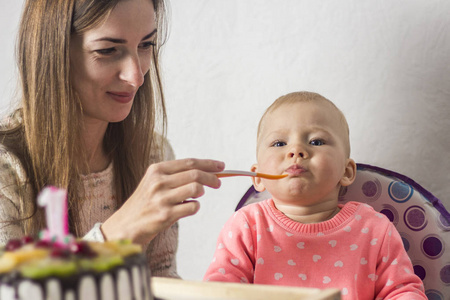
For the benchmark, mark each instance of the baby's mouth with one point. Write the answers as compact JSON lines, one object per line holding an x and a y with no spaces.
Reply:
{"x":295,"y":170}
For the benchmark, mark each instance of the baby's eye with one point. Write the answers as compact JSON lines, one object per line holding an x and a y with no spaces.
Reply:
{"x":316,"y":142}
{"x":278,"y":144}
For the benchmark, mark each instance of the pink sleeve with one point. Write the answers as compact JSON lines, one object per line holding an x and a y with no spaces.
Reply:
{"x":396,"y":278}
{"x":234,"y":257}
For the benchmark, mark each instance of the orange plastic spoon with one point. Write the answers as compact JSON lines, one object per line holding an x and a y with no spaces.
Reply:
{"x":230,"y":173}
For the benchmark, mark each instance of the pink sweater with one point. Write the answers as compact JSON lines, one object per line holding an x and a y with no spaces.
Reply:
{"x":358,"y":251}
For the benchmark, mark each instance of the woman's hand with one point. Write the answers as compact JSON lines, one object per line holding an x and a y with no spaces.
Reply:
{"x":161,"y":199}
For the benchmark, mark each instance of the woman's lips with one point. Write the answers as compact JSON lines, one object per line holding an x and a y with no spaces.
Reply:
{"x":122,"y":97}
{"x":295,"y":170}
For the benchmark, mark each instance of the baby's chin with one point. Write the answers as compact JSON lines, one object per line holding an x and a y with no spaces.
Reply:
{"x":296,"y":190}
{"x":291,"y":200}
{"x":296,"y":197}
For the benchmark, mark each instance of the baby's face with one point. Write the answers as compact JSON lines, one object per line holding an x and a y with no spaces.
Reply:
{"x":309,"y":142}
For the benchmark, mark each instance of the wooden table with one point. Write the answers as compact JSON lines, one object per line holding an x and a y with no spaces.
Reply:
{"x":177,"y":289}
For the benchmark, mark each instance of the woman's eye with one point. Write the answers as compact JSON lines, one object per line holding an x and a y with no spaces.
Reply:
{"x":107,"y":51}
{"x":316,"y":142}
{"x":278,"y":144}
{"x":147,"y":45}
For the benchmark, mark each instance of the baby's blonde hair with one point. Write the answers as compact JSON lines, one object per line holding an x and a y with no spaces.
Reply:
{"x":299,"y":97}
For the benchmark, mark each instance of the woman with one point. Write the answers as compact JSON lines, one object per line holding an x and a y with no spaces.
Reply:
{"x":91,"y":104}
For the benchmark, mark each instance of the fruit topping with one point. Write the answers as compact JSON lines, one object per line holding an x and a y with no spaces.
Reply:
{"x":11,"y":259}
{"x":41,"y":258}
{"x":101,"y":264}
{"x":60,"y":253}
{"x":13,"y":245}
{"x":27,"y":240}
{"x":43,"y":244}
{"x":48,"y":267}
{"x":82,"y":248}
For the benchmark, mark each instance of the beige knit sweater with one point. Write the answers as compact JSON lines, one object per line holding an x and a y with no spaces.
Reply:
{"x":98,"y":206}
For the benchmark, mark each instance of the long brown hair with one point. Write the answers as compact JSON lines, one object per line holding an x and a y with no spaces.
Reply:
{"x":48,"y":138}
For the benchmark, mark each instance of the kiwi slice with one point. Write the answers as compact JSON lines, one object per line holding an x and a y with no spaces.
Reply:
{"x":47,"y":268}
{"x":101,"y":263}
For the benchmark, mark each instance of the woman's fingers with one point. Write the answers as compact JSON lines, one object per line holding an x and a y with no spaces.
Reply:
{"x":177,"y":187}
{"x":181,"y":165}
{"x":185,"y":209}
{"x":180,"y":194}
{"x":162,"y":197}
{"x":192,"y":176}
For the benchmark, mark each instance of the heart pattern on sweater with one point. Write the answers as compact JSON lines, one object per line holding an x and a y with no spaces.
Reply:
{"x":339,"y":264}
{"x":278,"y":276}
{"x":301,"y":245}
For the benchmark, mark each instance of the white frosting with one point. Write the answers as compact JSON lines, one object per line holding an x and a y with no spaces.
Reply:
{"x":107,"y":287}
{"x":123,"y":285}
{"x":54,"y":290}
{"x":87,"y":288}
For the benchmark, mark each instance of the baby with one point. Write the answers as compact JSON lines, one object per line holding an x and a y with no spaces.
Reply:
{"x":302,"y":236}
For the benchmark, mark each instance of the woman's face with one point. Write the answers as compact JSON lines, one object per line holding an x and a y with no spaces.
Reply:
{"x":108,"y":62}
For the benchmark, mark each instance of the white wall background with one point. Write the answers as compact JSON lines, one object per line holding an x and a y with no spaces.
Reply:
{"x":385,"y":63}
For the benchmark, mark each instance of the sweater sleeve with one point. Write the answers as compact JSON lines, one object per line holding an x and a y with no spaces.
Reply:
{"x":396,"y":278}
{"x":234,"y":256}
{"x":95,"y":234}
{"x":12,"y":175}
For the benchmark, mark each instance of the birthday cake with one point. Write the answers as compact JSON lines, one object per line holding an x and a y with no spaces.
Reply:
{"x":59,"y":267}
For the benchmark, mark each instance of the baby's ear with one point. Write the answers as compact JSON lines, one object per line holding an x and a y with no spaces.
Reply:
{"x":257,"y":183}
{"x":349,"y":174}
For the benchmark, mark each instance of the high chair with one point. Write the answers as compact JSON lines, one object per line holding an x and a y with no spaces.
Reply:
{"x":421,"y":219}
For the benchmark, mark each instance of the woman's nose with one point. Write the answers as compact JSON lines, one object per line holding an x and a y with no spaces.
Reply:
{"x":132,"y":72}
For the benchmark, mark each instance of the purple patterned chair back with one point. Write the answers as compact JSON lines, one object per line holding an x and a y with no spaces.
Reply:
{"x":421,"y":219}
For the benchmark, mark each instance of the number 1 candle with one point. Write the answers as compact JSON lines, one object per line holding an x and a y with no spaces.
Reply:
{"x":54,"y":201}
